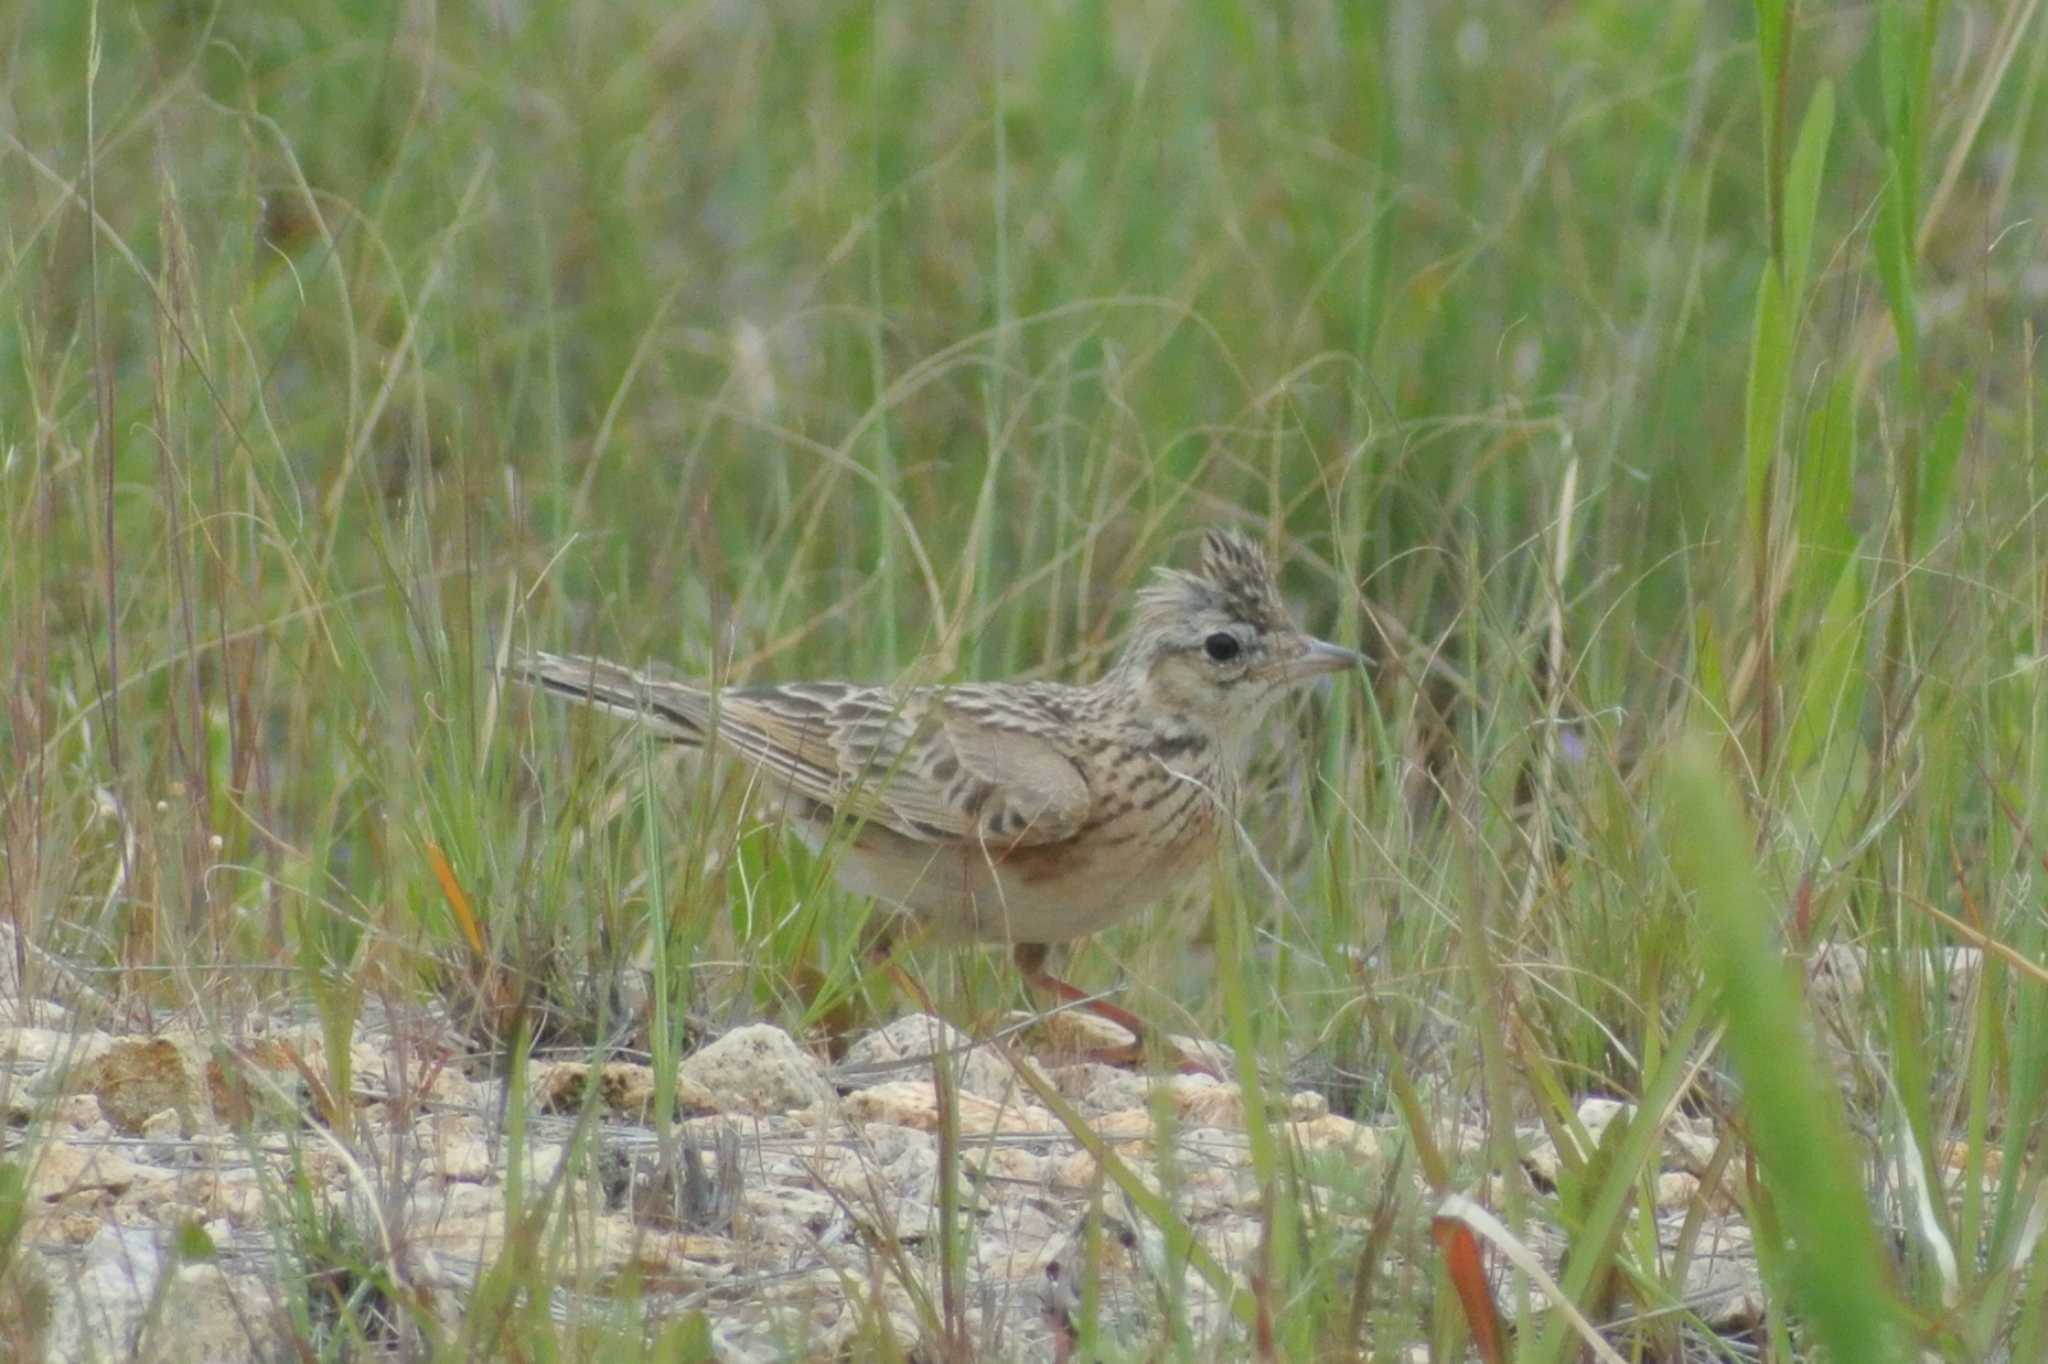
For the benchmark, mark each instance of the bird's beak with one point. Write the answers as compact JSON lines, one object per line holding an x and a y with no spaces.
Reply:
{"x":1318,"y":657}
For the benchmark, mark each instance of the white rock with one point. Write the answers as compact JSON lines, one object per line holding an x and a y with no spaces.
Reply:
{"x":94,"y":1316}
{"x":77,"y":1112}
{"x":759,"y":1069}
{"x":51,"y":1046}
{"x":205,"y":1316}
{"x":163,"y":1126}
{"x":911,"y":1103}
{"x":913,"y":1041}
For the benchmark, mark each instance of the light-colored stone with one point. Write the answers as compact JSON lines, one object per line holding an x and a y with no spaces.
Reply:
{"x":70,"y":1228}
{"x":1334,"y":1133}
{"x":460,"y":1153}
{"x":1304,"y":1105}
{"x":544,"y":1161}
{"x":1202,"y":1051}
{"x":1016,"y":1162}
{"x":1596,"y":1115}
{"x":782,"y":1214}
{"x":1219,"y":1148}
{"x":1202,"y":1101}
{"x":1838,"y":974}
{"x":1689,"y":1149}
{"x":94,"y":1315}
{"x":164,"y":1125}
{"x":911,"y":1103}
{"x":436,"y":1081}
{"x":662,"y":1262}
{"x":758,"y":1069}
{"x":906,"y":1050}
{"x":1676,"y":1190}
{"x":58,"y":1047}
{"x":240,"y":1197}
{"x":1722,"y":1281}
{"x":1073,"y":1033}
{"x":817,"y":1186}
{"x":1076,"y":1170}
{"x":465,"y":1204}
{"x":214,"y":1317}
{"x":61,"y":1173}
{"x":1098,"y":1088}
{"x":1129,"y":1124}
{"x":891,"y":1176}
{"x":108,"y":1310}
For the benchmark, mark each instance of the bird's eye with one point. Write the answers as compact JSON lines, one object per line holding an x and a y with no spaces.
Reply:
{"x":1221,"y":647}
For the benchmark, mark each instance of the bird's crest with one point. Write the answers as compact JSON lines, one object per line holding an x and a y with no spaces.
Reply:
{"x":1234,"y":578}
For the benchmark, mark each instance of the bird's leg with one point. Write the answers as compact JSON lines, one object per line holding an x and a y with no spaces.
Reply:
{"x":1030,"y":960}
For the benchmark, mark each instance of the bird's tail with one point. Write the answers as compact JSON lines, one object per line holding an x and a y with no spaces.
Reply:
{"x":673,"y":710}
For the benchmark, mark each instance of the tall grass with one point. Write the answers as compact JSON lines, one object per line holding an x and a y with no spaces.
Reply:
{"x":1615,"y":372}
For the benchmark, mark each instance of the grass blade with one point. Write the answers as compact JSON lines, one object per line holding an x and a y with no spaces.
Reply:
{"x":1938,"y":465}
{"x":1770,"y":367}
{"x":1802,"y":190}
{"x":1838,"y":1280}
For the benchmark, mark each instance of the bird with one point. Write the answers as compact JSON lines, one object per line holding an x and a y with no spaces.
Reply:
{"x":1019,"y":813}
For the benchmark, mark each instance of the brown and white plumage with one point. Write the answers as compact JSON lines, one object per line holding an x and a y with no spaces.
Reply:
{"x":1026,"y":812}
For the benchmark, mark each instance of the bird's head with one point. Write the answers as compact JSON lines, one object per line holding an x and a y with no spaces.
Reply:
{"x":1217,"y":645}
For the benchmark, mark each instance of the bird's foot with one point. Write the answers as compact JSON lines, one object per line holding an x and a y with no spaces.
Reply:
{"x":1129,"y":1043}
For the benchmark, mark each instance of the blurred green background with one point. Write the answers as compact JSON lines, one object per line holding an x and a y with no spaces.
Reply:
{"x":887,"y":341}
{"x":900,"y":341}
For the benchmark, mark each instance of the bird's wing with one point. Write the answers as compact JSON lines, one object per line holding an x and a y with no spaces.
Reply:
{"x":1013,"y":788}
{"x":910,"y":761}
{"x":913,"y":762}
{"x":674,"y":710}
{"x":791,"y":734}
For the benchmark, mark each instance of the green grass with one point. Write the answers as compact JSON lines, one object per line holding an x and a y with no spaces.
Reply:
{"x":886,"y":342}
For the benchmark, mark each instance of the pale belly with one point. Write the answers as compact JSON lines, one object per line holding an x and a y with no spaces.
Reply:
{"x":1046,"y":894}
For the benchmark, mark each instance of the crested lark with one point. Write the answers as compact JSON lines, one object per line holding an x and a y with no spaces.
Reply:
{"x":1024,"y":813}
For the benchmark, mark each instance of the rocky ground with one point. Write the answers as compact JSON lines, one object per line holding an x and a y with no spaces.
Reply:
{"x":180,"y":1186}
